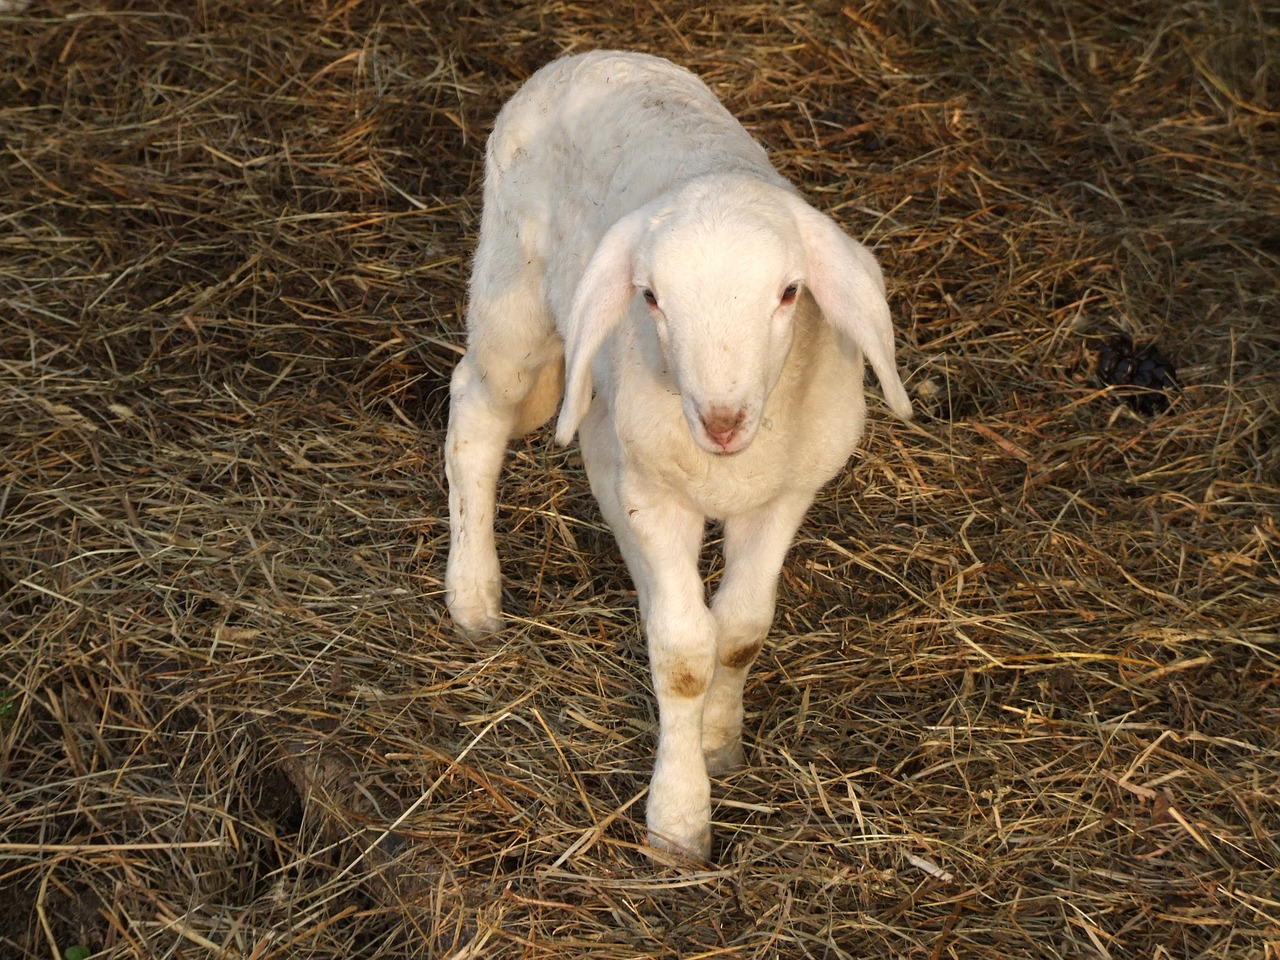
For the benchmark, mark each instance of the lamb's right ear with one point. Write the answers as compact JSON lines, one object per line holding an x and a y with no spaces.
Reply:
{"x":601,"y":301}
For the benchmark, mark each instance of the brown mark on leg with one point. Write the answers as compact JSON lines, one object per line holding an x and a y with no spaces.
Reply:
{"x":741,"y":657}
{"x":684,"y":682}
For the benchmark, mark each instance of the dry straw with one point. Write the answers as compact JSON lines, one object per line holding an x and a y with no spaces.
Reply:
{"x":1023,"y":698}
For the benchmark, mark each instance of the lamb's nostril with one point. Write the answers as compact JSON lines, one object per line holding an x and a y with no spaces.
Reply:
{"x":722,"y":424}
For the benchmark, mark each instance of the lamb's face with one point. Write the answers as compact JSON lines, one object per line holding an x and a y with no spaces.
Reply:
{"x":721,"y":283}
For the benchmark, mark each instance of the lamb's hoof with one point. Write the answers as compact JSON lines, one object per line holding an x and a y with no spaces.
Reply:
{"x":478,"y":631}
{"x":475,"y":616}
{"x":684,"y":852}
{"x":475,"y":620}
{"x":725,"y":759}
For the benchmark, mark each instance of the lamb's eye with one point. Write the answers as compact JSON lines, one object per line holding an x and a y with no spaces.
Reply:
{"x":650,"y":297}
{"x":789,"y":295}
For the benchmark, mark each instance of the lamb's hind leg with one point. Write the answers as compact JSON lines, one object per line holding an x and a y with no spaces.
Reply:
{"x":755,"y":545}
{"x":507,"y":383}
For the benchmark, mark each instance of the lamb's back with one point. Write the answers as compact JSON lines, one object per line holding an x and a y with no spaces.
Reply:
{"x":590,"y":138}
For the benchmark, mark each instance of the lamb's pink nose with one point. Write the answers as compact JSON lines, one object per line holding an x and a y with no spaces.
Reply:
{"x":722,"y":425}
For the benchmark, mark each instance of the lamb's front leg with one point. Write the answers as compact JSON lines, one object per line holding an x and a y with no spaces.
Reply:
{"x":755,"y":545}
{"x":660,"y":541}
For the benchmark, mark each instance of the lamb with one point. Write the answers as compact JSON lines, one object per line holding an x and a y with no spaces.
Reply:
{"x":640,"y":258}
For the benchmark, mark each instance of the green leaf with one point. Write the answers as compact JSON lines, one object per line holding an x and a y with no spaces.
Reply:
{"x":78,"y":952}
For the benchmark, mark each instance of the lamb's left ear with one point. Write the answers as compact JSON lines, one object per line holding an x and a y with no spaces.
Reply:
{"x":845,"y":279}
{"x":600,"y":302}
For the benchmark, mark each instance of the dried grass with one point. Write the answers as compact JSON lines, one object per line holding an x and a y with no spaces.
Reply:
{"x":1023,"y":697}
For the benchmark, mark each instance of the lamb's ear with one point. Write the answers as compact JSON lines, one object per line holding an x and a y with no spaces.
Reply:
{"x":601,"y":301}
{"x":845,"y":279}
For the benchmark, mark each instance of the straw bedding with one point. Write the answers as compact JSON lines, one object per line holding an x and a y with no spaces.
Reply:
{"x":1023,"y":694}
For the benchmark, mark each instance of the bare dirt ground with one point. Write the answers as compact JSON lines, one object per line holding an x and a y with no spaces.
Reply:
{"x":1023,"y":694}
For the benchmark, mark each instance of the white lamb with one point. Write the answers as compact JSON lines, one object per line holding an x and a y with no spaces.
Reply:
{"x":636,"y":241}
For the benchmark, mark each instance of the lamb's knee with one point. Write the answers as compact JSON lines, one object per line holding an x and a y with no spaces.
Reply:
{"x":684,"y":677}
{"x":682,"y":646}
{"x":462,"y":378}
{"x":740,"y":634}
{"x":513,"y":377}
{"x":741,"y":655}
{"x":480,"y":381}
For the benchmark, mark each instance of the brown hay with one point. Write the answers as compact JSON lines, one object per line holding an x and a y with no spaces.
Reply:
{"x":1022,"y":697}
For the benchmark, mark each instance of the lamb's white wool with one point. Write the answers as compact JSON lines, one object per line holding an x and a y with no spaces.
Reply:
{"x":707,"y":329}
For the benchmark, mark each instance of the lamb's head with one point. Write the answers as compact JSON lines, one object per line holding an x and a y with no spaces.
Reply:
{"x":721,"y":265}
{"x":721,"y":278}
